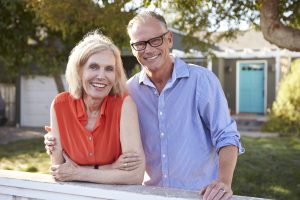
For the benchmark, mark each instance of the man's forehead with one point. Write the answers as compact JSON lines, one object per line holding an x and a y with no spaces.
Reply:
{"x":144,"y":30}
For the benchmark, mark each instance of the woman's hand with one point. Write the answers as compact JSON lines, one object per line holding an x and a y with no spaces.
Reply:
{"x":127,"y":161}
{"x":65,"y":171}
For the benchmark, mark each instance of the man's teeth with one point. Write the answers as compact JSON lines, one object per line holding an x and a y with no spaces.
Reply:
{"x":152,"y":58}
{"x":98,"y":85}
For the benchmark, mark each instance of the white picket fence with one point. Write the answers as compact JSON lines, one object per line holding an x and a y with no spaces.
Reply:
{"x":16,"y":185}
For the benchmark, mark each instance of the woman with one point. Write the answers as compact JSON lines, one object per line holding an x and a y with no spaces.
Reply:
{"x":95,"y":123}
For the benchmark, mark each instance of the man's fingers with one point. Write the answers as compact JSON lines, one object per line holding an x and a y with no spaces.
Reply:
{"x":227,"y":196}
{"x":47,"y":128}
{"x":48,"y":151}
{"x":48,"y":138}
{"x":48,"y":142}
{"x":209,"y":191}
{"x":203,"y":191}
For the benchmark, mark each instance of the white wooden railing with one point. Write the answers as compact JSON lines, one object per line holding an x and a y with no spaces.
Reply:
{"x":15,"y":185}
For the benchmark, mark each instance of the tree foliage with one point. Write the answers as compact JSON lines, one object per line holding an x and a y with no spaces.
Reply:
{"x":15,"y":29}
{"x":285,"y":112}
{"x":38,"y":35}
{"x":74,"y":18}
{"x":206,"y":17}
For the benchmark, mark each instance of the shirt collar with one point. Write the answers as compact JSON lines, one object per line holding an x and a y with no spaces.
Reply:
{"x":81,"y":112}
{"x":180,"y":70}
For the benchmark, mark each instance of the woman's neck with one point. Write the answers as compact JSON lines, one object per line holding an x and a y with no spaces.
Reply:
{"x":92,"y":106}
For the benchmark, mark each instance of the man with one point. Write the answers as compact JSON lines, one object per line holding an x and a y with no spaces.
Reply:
{"x":189,"y":139}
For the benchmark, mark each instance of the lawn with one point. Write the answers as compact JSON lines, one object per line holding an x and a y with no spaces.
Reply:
{"x":270,"y":167}
{"x":25,"y":155}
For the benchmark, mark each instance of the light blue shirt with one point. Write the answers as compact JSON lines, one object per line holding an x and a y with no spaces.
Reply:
{"x":184,"y":127}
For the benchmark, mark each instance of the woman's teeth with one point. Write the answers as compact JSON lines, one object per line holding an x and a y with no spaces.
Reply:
{"x":98,"y":85}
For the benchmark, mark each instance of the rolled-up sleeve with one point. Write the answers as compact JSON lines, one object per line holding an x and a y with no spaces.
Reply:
{"x":215,"y":113}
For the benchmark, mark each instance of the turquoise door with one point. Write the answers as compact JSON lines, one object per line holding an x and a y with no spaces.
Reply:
{"x":251,"y":87}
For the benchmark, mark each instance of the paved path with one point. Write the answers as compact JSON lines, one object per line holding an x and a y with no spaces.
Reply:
{"x":257,"y":134}
{"x":10,"y":134}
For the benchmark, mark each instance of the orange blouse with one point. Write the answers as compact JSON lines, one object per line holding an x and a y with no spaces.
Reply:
{"x":97,"y":147}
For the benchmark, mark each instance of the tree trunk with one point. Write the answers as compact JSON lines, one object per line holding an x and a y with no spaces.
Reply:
{"x":59,"y":83}
{"x":274,"y":31}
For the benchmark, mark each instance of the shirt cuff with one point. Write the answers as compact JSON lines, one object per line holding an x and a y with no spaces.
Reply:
{"x":231,"y":142}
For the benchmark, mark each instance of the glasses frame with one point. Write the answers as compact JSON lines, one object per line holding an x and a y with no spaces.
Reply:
{"x":149,"y":42}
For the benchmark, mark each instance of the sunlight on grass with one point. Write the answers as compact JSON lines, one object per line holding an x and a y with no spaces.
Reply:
{"x":268,"y":169}
{"x":26,"y":155}
{"x":279,"y":189}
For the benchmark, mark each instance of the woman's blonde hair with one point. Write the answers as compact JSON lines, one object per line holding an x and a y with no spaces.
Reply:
{"x":92,"y":43}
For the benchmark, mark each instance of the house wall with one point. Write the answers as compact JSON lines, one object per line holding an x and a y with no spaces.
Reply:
{"x":36,"y":95}
{"x":225,"y":69}
{"x":8,"y":93}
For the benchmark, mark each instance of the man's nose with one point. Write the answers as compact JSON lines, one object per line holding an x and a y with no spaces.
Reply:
{"x":148,"y":47}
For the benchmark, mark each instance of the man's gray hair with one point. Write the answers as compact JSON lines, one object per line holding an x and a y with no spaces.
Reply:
{"x":143,"y":16}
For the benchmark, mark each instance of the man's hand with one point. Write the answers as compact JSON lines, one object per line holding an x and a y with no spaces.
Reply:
{"x":217,"y":190}
{"x":49,"y":141}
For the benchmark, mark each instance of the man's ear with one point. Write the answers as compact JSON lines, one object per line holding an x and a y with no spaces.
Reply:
{"x":134,"y":52}
{"x":170,"y":39}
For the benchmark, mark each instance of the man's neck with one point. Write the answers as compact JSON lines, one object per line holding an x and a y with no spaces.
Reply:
{"x":160,"y":78}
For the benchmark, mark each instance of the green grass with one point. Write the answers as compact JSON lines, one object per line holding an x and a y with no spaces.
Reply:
{"x":270,"y":167}
{"x":25,"y":155}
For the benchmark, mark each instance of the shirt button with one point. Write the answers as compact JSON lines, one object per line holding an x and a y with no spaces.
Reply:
{"x":90,"y":138}
{"x":160,"y":113}
{"x":165,"y":176}
{"x":91,"y":154}
{"x":164,"y":155}
{"x":162,"y":135}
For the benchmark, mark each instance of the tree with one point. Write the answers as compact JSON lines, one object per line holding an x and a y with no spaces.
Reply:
{"x":73,"y":19}
{"x":279,"y":20}
{"x":15,"y":29}
{"x":285,"y":112}
{"x":49,"y":29}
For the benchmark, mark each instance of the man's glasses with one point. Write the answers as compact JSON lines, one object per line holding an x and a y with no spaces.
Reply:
{"x":153,"y":42}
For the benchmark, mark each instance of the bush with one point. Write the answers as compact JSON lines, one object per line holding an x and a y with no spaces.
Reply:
{"x":284,"y":116}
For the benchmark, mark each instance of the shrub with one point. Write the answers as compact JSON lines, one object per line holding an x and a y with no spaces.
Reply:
{"x":284,"y":116}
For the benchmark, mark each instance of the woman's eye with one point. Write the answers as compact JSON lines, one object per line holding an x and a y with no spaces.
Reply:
{"x":109,"y":68}
{"x":93,"y":67}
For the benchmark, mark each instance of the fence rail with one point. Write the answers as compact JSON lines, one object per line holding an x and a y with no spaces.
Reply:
{"x":15,"y":185}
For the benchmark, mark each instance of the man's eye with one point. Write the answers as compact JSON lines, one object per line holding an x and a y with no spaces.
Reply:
{"x":155,"y":41}
{"x":139,"y":44}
